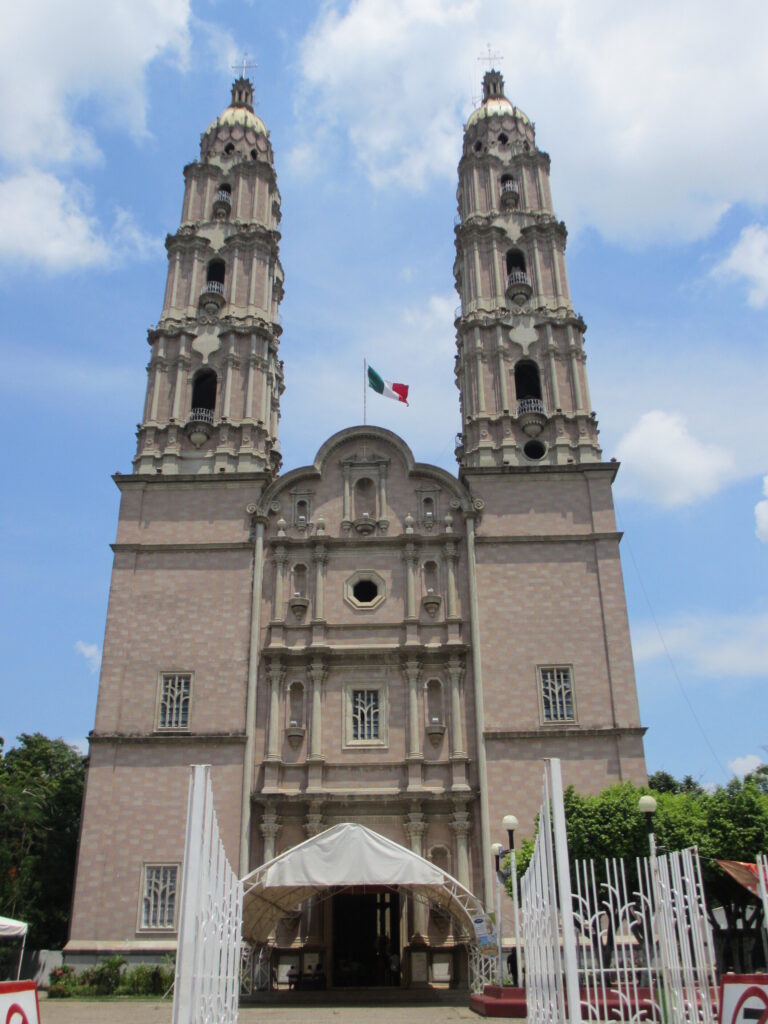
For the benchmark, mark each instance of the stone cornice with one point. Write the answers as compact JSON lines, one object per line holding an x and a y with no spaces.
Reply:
{"x":393,"y":651}
{"x":610,"y":469}
{"x":564,"y":731}
{"x":549,"y":538}
{"x":223,"y":545}
{"x":141,"y":480}
{"x":362,"y":542}
{"x":392,"y":797}
{"x":182,"y":738}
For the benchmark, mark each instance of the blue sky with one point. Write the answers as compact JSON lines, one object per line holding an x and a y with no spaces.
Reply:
{"x":654,"y":116}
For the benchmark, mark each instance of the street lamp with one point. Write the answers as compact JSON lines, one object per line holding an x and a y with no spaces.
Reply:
{"x":647,"y":805}
{"x":509,"y":824}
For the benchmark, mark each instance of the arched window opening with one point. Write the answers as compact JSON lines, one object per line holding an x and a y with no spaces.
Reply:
{"x":365,"y":499}
{"x":204,"y":391}
{"x":515,"y":261}
{"x":295,"y":706}
{"x":435,"y":712}
{"x":527,"y":380}
{"x":215,"y":272}
{"x":478,"y":146}
{"x":299,"y":580}
{"x":224,"y":187}
{"x":229,"y":148}
{"x":430,"y":577}
{"x":503,"y":138}
{"x":428,"y":509}
{"x":302,"y":512}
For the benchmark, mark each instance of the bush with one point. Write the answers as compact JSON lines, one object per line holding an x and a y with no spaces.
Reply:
{"x":108,"y":978}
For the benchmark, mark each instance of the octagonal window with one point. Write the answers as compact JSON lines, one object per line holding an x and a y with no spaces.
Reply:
{"x":364,"y":590}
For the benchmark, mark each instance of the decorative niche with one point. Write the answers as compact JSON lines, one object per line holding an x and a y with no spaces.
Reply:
{"x":294,"y":707}
{"x":365,"y":493}
{"x":298,"y":602}
{"x":431,"y":601}
{"x":434,"y":710}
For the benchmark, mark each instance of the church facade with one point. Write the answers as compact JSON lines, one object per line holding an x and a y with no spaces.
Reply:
{"x":367,"y":638}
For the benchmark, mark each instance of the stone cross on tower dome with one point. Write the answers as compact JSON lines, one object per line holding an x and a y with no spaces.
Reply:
{"x":215,"y":379}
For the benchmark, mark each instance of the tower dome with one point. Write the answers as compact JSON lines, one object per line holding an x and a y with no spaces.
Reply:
{"x":237,"y":133}
{"x":495,"y":103}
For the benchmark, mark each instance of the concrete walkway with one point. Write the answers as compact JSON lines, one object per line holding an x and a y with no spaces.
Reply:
{"x":129,"y":1011}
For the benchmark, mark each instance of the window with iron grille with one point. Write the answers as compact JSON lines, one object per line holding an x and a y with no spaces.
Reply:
{"x":158,"y":910}
{"x":365,"y":715}
{"x":173,"y":702}
{"x":557,"y":694}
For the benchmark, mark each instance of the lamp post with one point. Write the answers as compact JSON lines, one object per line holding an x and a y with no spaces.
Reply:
{"x":498,"y":852}
{"x":647,"y":806}
{"x":510,"y":823}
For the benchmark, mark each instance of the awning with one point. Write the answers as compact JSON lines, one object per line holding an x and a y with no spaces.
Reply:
{"x":350,"y":855}
{"x":10,"y":929}
{"x":744,"y":872}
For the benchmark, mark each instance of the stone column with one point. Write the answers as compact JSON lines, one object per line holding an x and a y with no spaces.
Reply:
{"x":461,"y":827}
{"x":411,"y":669}
{"x":229,"y":362}
{"x":181,"y":369}
{"x":503,"y":395}
{"x":479,"y":371}
{"x":159,"y":362}
{"x":455,"y":673}
{"x":347,"y":511}
{"x":451,"y":560}
{"x":270,"y":826}
{"x":276,"y":675}
{"x":319,"y":557}
{"x":314,"y":825}
{"x":316,"y":673}
{"x":415,"y":826}
{"x":572,"y":351}
{"x":382,"y":492}
{"x":251,"y":376}
{"x":410,"y":587}
{"x":279,"y":558}
{"x":553,"y":370}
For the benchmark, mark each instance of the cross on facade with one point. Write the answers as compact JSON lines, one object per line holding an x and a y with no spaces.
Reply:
{"x":242,"y":68}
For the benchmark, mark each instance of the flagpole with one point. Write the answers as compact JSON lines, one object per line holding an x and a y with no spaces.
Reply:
{"x":365,"y":391}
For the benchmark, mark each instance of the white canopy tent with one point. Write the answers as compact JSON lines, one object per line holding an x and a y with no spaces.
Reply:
{"x":350,"y":855}
{"x":10,"y":929}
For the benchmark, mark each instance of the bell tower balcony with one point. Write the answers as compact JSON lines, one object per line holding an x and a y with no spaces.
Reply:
{"x":212,"y":296}
{"x":531,"y":416}
{"x":510,"y":193}
{"x":519,"y":285}
{"x":222,"y":204}
{"x":199,"y":426}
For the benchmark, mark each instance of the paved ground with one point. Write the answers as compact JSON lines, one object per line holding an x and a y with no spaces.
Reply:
{"x":87,"y":1011}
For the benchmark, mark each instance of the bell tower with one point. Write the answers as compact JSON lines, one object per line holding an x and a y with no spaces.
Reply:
{"x":520,"y":363}
{"x":214,"y":377}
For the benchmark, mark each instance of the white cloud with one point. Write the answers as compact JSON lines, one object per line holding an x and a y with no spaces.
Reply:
{"x":53,"y":56}
{"x":742,"y":766}
{"x":761,"y":515}
{"x":720,"y":646}
{"x":46,"y":221}
{"x":664,"y":463}
{"x":748,"y":259}
{"x":639,"y":141}
{"x":91,"y":653}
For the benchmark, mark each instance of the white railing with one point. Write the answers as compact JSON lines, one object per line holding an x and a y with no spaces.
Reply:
{"x":518,"y":277}
{"x":208,"y":961}
{"x":510,"y":187}
{"x":212,"y":288}
{"x":544,"y":972}
{"x":200,"y":416}
{"x":222,"y":196}
{"x":529,"y":405}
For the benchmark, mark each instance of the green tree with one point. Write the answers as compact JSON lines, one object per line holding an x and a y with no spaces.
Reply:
{"x":41,"y":792}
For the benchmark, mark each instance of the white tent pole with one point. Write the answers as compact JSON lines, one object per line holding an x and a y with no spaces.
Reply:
{"x":21,"y":955}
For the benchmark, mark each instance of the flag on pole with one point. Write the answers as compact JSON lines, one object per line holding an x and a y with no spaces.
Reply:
{"x":385,"y":387}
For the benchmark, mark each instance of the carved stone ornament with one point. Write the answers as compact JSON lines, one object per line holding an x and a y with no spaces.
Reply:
{"x":295,"y":734}
{"x":365,"y":524}
{"x":298,"y":605}
{"x":431,"y":603}
{"x":435,"y":731}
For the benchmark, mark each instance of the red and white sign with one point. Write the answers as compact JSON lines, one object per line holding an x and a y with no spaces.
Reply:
{"x":743,"y":999}
{"x":18,"y":1003}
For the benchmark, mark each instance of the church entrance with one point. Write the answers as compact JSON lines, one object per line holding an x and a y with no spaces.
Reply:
{"x":366,"y":938}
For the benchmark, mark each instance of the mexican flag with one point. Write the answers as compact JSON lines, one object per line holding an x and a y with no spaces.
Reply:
{"x":385,"y":387}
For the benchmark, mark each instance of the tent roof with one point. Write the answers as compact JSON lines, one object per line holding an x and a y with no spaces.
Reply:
{"x":349,"y":855}
{"x":10,"y":929}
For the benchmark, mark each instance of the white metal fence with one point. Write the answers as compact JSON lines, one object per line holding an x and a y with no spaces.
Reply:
{"x":208,"y":959}
{"x":630,"y":942}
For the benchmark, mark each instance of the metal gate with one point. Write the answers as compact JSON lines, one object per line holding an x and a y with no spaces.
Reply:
{"x":631,"y":941}
{"x":208,"y":960}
